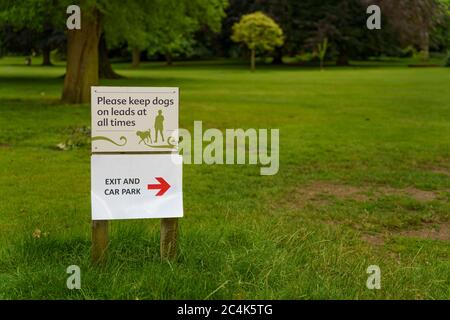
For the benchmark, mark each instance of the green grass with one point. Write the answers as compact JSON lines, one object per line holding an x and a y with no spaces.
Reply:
{"x":244,"y":236}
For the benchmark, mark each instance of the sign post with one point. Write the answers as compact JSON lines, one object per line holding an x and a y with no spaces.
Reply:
{"x":168,"y":242}
{"x":135,"y":170}
{"x":99,"y":241}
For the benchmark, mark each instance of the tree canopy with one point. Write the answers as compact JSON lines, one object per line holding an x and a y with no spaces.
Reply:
{"x":36,"y":25}
{"x":258,"y":32}
{"x":171,"y":28}
{"x":415,"y":21}
{"x":161,"y":26}
{"x":165,"y":26}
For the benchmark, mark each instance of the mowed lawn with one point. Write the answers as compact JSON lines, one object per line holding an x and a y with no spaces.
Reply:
{"x":364,"y":180}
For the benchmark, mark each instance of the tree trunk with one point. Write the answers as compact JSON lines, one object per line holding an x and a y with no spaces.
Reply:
{"x":136,"y":57}
{"x":342,"y":59}
{"x":252,"y":59}
{"x":105,"y":70}
{"x":169,"y":59}
{"x":425,"y":45}
{"x":46,"y":35}
{"x":82,"y":58}
{"x":46,"y":61}
{"x":278,"y":56}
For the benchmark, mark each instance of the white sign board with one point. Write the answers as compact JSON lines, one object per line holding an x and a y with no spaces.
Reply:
{"x":136,"y":186}
{"x":134,"y":119}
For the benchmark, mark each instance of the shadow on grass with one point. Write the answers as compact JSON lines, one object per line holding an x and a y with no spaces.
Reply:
{"x":31,"y":103}
{"x":130,"y":80}
{"x":38,"y":88}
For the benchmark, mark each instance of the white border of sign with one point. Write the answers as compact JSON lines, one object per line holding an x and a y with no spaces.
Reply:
{"x":134,"y":119}
{"x":139,"y":196}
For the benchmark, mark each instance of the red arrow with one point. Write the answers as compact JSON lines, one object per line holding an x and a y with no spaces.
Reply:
{"x":163,"y":186}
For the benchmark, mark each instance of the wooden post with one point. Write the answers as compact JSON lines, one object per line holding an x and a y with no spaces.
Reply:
{"x":168,"y":242}
{"x":99,"y":241}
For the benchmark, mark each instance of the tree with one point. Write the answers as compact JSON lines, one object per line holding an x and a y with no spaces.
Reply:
{"x":322,"y":51}
{"x":103,"y":22}
{"x":140,"y":22}
{"x":118,"y":24}
{"x":39,"y":18}
{"x":171,"y":29}
{"x":82,"y":57}
{"x":342,"y":22}
{"x":105,"y":70}
{"x":130,"y":27}
{"x":414,"y":21}
{"x":259,"y":33}
{"x":446,"y":6}
{"x":307,"y":22}
{"x":281,"y":11}
{"x":82,"y":45}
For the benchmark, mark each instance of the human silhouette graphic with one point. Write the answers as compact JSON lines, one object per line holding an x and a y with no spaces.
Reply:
{"x":159,"y":126}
